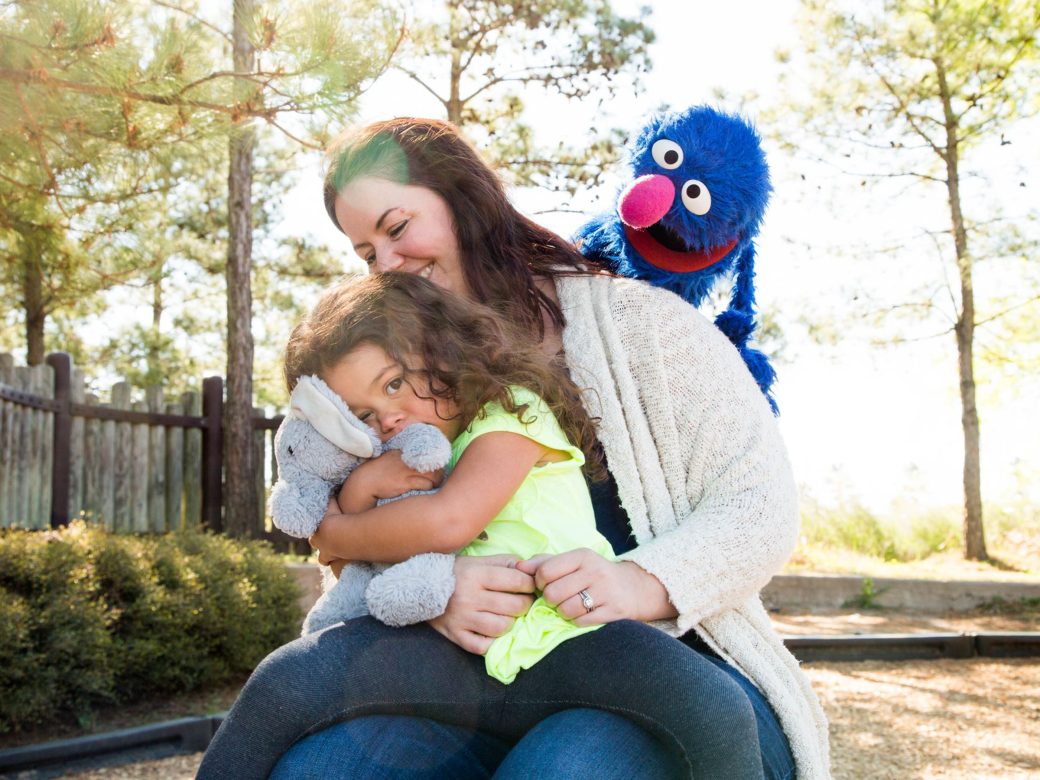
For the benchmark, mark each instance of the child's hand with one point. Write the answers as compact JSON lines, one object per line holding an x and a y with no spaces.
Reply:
{"x":388,"y":477}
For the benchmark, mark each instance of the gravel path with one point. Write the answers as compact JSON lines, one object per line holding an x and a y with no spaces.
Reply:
{"x":976,"y":719}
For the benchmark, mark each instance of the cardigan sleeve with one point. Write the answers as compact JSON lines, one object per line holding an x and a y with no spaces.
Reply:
{"x":734,"y":496}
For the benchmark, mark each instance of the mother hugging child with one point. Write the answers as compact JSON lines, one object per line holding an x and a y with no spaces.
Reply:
{"x":657,"y":659}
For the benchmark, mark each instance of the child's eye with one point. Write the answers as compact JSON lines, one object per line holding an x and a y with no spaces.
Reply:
{"x":364,"y":416}
{"x":398,"y":229}
{"x":394,"y":385}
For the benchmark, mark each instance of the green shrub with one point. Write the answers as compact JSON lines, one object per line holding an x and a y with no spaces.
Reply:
{"x":88,"y":617}
{"x":851,"y":526}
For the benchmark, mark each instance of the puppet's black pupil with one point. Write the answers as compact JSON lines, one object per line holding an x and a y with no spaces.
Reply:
{"x":693,"y":191}
{"x":290,"y":450}
{"x":671,"y":157}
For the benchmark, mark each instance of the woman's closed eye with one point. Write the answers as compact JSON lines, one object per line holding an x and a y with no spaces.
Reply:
{"x":398,"y":229}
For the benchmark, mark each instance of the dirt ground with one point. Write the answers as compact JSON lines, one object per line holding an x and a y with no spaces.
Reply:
{"x":884,"y":621}
{"x":976,"y":719}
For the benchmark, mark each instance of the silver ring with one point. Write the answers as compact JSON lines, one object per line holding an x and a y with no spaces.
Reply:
{"x":586,"y":600}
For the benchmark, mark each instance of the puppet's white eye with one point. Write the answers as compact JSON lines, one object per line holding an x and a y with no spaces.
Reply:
{"x":696,"y":198}
{"x":667,"y":154}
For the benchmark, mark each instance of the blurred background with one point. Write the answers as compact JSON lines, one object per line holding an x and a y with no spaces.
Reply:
{"x":903,"y":141}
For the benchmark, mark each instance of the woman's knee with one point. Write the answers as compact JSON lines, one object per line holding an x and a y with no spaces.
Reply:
{"x":389,"y":746}
{"x":589,"y":743}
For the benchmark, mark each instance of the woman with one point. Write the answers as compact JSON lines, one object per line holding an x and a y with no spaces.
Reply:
{"x":701,"y":507}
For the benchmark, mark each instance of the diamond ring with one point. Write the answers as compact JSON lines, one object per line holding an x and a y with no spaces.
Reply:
{"x":586,"y":600}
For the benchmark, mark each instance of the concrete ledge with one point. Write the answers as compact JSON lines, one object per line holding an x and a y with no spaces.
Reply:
{"x":831,"y":591}
{"x":159,"y":740}
{"x":308,"y":577}
{"x":823,"y":591}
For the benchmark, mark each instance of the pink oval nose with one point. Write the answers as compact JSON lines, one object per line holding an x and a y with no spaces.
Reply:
{"x":646,"y":200}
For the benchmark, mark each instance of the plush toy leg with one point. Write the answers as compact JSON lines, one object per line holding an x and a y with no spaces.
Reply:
{"x":413,"y":591}
{"x":343,"y":601}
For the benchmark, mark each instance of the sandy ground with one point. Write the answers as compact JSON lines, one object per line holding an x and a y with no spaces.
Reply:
{"x":975,"y":719}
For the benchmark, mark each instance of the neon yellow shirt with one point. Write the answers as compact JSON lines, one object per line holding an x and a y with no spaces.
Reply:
{"x":551,"y":512}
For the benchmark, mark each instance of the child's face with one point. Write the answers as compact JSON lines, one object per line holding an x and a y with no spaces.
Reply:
{"x":374,"y":388}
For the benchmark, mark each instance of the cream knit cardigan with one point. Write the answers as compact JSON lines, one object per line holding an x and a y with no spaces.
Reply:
{"x":703,"y":475}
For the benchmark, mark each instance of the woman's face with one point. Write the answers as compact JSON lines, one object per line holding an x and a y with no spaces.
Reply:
{"x":401,"y":227}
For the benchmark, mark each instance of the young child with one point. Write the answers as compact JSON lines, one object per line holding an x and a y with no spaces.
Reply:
{"x":406,"y":351}
{"x":401,"y":350}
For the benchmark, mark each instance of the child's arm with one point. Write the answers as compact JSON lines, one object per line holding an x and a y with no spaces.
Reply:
{"x":487,"y":475}
{"x":383,"y":477}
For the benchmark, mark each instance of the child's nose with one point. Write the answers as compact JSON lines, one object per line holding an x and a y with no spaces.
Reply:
{"x":390,"y":422}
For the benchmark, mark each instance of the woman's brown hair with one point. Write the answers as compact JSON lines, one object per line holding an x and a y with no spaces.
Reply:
{"x":501,"y":250}
{"x":463,"y":351}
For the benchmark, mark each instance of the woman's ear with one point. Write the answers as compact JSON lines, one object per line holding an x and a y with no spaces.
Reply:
{"x":313,"y":399}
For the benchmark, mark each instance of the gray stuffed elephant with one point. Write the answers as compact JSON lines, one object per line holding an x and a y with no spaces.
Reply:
{"x":319,"y":443}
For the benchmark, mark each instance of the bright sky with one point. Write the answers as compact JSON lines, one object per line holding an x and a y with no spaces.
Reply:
{"x":875,"y":423}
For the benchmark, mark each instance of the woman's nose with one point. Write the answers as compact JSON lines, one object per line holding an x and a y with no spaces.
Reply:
{"x":387,"y":261}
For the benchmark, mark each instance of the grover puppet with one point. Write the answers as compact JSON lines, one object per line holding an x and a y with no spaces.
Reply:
{"x":699,"y":187}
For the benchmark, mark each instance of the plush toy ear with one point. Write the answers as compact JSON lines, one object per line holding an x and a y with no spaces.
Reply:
{"x":328,"y":420}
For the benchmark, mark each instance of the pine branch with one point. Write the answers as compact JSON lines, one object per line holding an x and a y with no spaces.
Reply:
{"x":39,"y":147}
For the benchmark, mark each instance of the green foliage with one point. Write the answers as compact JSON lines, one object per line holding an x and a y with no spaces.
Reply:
{"x":88,"y":617}
{"x":482,"y":49}
{"x":114,"y":124}
{"x":851,"y":526}
{"x":867,"y":598}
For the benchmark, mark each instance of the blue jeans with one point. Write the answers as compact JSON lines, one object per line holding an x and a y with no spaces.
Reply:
{"x":682,"y":698}
{"x":571,"y":744}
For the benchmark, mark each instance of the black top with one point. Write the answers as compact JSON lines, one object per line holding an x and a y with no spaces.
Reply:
{"x":611,"y":518}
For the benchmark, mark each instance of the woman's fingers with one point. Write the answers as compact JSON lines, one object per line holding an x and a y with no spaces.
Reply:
{"x":489,"y":624}
{"x":474,"y":643}
{"x":530,"y":566}
{"x":512,"y":604}
{"x":557,"y":593}
{"x":563,"y":564}
{"x":507,"y":580}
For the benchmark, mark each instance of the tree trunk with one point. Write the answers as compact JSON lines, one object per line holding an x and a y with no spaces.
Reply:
{"x":974,"y":535}
{"x":154,"y":367}
{"x":35,"y":310}
{"x":240,"y":494}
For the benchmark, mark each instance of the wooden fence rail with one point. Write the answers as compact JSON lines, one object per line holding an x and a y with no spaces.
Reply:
{"x":148,"y":465}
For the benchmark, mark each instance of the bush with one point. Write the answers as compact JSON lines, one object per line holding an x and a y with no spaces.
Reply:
{"x":853,"y":527}
{"x":89,"y":617}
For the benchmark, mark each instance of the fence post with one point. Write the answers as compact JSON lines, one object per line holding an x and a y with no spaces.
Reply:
{"x":61,"y":363}
{"x":212,"y":452}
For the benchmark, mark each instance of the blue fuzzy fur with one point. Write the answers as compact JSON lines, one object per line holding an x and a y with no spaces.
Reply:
{"x":724,"y":152}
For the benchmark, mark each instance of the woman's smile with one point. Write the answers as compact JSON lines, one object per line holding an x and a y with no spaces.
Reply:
{"x":401,"y":227}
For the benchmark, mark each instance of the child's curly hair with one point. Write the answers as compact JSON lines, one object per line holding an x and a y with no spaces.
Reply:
{"x":465,"y":352}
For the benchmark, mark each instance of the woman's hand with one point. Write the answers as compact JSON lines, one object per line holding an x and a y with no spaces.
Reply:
{"x":489,"y":595}
{"x":620,"y":590}
{"x":388,"y":477}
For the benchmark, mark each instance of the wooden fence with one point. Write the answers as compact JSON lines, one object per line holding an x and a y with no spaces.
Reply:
{"x":146,"y":465}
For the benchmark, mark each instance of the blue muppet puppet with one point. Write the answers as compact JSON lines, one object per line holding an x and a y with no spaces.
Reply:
{"x":698,"y":190}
